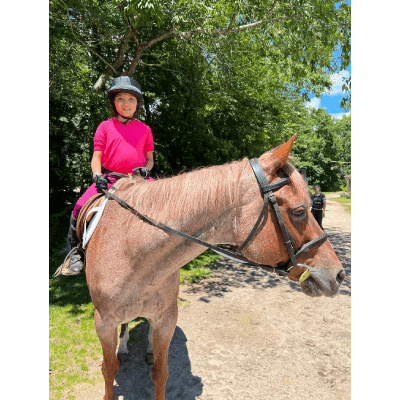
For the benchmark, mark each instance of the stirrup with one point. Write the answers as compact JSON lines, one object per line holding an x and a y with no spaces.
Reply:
{"x":63,"y":269}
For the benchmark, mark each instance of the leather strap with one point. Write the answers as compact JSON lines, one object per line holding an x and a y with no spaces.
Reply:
{"x":217,"y":249}
{"x":319,"y":240}
{"x":265,"y":187}
{"x":262,"y":180}
{"x":286,"y":236}
{"x":257,"y":224}
{"x":266,"y":190}
{"x":119,"y":175}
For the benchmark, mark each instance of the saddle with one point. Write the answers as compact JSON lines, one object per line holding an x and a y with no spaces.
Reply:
{"x":95,"y":201}
{"x":90,"y":214}
{"x":88,"y":219}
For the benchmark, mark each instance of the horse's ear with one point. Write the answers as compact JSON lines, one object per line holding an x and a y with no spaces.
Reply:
{"x":281,"y":154}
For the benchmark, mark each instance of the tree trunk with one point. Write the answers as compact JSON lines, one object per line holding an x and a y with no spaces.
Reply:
{"x":117,"y":63}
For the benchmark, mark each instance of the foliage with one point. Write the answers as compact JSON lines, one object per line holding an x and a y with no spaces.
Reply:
{"x":323,"y":149}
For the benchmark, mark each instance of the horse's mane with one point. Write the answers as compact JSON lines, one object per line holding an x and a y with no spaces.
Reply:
{"x":172,"y":199}
{"x":169,"y":200}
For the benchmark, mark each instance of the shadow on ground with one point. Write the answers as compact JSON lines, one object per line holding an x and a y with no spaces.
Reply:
{"x":341,"y":243}
{"x":134,"y":376}
{"x":229,"y":274}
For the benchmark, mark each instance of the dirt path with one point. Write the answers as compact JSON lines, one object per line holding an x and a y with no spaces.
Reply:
{"x":246,"y":334}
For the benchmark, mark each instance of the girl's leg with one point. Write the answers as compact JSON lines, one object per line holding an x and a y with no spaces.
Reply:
{"x":76,"y":257}
{"x":91,"y":190}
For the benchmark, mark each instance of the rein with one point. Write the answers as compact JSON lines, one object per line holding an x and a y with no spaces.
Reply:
{"x":267,"y":190}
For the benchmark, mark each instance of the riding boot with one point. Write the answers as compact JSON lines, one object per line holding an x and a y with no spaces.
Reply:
{"x":77,"y":254}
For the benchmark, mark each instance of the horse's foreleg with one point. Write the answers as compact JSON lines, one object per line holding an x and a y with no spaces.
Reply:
{"x":150,"y":356}
{"x":123,"y":344}
{"x":108,"y":335}
{"x":163,"y":330}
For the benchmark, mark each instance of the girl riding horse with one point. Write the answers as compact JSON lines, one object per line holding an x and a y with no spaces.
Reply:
{"x":121,"y":144}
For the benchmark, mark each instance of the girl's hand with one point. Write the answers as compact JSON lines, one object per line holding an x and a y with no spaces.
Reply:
{"x":101,"y":182}
{"x":142,"y":171}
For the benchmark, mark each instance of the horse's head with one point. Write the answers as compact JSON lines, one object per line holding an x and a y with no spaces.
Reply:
{"x":267,"y":245}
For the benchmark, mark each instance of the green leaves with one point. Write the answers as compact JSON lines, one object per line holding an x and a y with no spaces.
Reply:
{"x":210,"y":96}
{"x":144,"y":12}
{"x":323,"y":148}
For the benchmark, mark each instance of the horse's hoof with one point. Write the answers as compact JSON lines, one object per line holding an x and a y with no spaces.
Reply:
{"x":122,"y":357}
{"x":149,"y":359}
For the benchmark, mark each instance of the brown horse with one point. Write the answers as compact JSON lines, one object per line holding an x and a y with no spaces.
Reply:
{"x":132,"y":267}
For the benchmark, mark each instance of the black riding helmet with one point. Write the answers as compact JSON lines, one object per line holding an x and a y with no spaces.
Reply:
{"x":124,"y":84}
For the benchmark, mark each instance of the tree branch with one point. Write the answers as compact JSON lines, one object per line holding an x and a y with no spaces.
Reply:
{"x":117,"y":63}
{"x":158,"y":65}
{"x":272,"y":8}
{"x":133,"y":32}
{"x":135,"y":62}
{"x":232,"y":21}
{"x":161,"y":36}
{"x":87,"y":47}
{"x":241,"y":28}
{"x":187,"y":35}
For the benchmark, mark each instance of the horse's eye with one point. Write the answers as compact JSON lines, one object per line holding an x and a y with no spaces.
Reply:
{"x":298,"y":212}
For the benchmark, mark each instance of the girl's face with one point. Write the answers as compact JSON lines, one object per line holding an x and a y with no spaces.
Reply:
{"x":125,"y":103}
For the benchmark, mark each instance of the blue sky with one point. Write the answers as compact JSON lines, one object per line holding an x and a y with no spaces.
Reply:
{"x":330,"y":101}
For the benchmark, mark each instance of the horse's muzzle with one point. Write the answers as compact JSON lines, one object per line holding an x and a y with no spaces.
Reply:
{"x":322,"y":283}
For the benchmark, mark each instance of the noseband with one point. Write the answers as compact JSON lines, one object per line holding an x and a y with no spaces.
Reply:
{"x":267,"y":191}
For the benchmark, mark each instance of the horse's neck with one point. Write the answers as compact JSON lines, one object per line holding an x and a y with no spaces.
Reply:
{"x":215,"y":224}
{"x":213,"y":227}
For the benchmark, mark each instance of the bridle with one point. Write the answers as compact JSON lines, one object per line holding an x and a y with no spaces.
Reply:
{"x":267,"y":191}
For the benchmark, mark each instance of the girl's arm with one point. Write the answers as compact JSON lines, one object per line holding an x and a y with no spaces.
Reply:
{"x":150,"y":160}
{"x":96,"y":162}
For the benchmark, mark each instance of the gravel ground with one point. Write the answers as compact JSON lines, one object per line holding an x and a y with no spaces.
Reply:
{"x":246,"y":334}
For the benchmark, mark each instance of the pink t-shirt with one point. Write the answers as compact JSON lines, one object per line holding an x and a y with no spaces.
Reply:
{"x":123,"y":147}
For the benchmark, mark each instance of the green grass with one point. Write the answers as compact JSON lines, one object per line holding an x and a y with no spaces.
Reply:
{"x":200,"y":267}
{"x":74,"y":348}
{"x":312,"y":191}
{"x":346,"y":203}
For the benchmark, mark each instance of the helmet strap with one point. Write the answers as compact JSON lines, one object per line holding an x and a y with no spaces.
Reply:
{"x":127,"y":119}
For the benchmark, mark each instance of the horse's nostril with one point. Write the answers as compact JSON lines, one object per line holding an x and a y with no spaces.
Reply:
{"x":341,"y":276}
